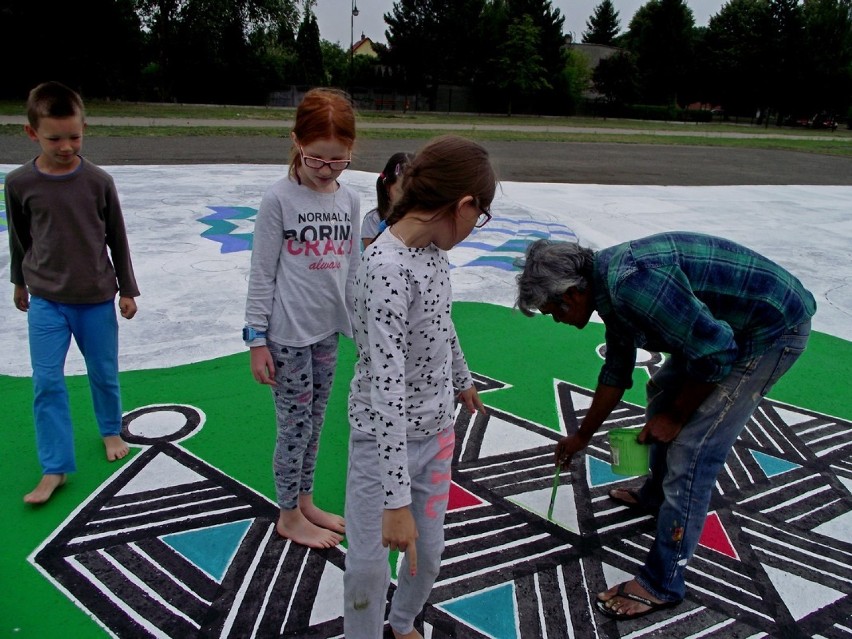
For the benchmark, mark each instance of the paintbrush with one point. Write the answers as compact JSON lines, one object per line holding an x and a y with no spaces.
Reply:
{"x":553,"y":493}
{"x":571,"y":427}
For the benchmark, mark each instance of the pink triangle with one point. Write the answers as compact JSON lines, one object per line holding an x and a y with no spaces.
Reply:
{"x":461,"y":498}
{"x":716,"y":538}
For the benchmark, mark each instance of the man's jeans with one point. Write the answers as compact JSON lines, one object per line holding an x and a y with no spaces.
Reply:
{"x":684,"y":471}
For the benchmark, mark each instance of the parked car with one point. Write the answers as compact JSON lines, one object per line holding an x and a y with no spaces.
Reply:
{"x":823,"y":120}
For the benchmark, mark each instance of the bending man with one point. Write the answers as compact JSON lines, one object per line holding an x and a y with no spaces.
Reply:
{"x":732,"y":323}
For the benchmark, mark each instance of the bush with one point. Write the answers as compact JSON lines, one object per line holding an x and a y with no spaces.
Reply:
{"x":651,"y":112}
{"x":665,"y":113}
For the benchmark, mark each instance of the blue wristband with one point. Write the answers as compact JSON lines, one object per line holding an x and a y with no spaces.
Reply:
{"x":249,"y":334}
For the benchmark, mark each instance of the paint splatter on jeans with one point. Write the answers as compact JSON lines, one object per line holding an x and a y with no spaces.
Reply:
{"x":304,"y":376}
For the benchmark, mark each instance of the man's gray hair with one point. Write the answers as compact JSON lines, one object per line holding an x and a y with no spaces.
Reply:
{"x":549,"y":269}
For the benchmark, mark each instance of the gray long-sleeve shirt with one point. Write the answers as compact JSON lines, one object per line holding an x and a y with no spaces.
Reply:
{"x":304,"y":255}
{"x":60,"y":227}
{"x":409,"y":358}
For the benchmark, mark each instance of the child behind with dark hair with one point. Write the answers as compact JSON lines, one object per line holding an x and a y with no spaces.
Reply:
{"x":57,"y":196}
{"x":388,"y":191}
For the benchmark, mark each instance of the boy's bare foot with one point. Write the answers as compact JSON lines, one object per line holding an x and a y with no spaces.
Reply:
{"x":45,"y":488}
{"x":293,"y":525}
{"x":409,"y":635}
{"x":116,"y":447}
{"x":320,"y":517}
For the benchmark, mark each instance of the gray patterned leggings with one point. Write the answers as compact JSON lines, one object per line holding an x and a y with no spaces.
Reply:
{"x":304,"y":376}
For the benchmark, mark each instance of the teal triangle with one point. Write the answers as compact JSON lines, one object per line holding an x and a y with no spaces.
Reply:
{"x":487,"y":611}
{"x":211,"y":549}
{"x":600,"y":472}
{"x":771,"y":465}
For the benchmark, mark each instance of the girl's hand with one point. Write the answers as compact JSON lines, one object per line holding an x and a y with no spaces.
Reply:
{"x":470,"y":397}
{"x":262,"y":366}
{"x":399,"y":532}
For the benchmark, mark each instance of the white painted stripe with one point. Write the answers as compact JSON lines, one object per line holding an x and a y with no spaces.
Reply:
{"x":815,"y":510}
{"x":489,"y":533}
{"x":496,"y":549}
{"x":660,"y":625}
{"x":496,"y":567}
{"x":467,"y":522}
{"x":564,"y":592}
{"x":266,"y":597}
{"x":127,"y":610}
{"x":85,"y":538}
{"x":177,"y":581}
{"x":790,"y":560}
{"x":773,"y":491}
{"x":795,"y":548}
{"x":155,"y":500}
{"x":154,"y":511}
{"x":625,"y":524}
{"x":797,"y":499}
{"x":241,"y":592}
{"x":777,"y":531}
{"x":737,"y":604}
{"x":293,"y":592}
{"x":153,"y":594}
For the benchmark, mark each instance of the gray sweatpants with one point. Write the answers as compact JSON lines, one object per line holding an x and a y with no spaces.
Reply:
{"x":304,"y":376}
{"x":367,"y":575}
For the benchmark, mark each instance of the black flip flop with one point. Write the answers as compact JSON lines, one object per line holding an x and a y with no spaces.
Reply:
{"x":652,"y":605}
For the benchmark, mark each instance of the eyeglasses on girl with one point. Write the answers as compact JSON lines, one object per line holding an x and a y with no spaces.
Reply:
{"x":318,"y":163}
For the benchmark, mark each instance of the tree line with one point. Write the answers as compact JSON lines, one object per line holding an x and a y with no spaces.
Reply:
{"x":783,"y":57}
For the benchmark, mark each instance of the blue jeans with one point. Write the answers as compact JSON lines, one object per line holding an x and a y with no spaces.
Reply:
{"x":95,"y":330}
{"x":683,"y":472}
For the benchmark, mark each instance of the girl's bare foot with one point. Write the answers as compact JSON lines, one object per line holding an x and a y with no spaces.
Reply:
{"x":320,"y":517}
{"x":293,"y":525}
{"x":409,"y":635}
{"x":116,"y":447}
{"x":45,"y":488}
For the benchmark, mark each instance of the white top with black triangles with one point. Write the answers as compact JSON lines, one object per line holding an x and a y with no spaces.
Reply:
{"x":409,"y":358}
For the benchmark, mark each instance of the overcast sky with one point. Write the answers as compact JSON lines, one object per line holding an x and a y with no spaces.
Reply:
{"x":334,"y":16}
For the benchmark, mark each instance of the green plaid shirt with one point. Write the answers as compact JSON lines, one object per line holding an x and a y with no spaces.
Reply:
{"x":703,"y":299}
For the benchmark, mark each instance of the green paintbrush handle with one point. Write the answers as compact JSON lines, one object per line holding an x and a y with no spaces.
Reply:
{"x":553,"y":492}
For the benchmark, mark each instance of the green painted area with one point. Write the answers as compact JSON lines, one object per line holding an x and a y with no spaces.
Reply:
{"x":239,"y":432}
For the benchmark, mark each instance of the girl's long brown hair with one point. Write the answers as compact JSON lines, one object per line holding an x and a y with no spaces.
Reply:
{"x":443,"y":172}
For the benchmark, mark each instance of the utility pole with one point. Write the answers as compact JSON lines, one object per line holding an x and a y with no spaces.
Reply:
{"x":352,"y":45}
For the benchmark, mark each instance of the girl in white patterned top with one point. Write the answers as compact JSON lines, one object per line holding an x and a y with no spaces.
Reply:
{"x":401,"y":402}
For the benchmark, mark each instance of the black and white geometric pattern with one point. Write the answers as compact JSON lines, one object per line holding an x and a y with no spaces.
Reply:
{"x":141,"y":555}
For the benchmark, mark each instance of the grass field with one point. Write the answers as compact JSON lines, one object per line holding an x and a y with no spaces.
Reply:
{"x":485,"y":127}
